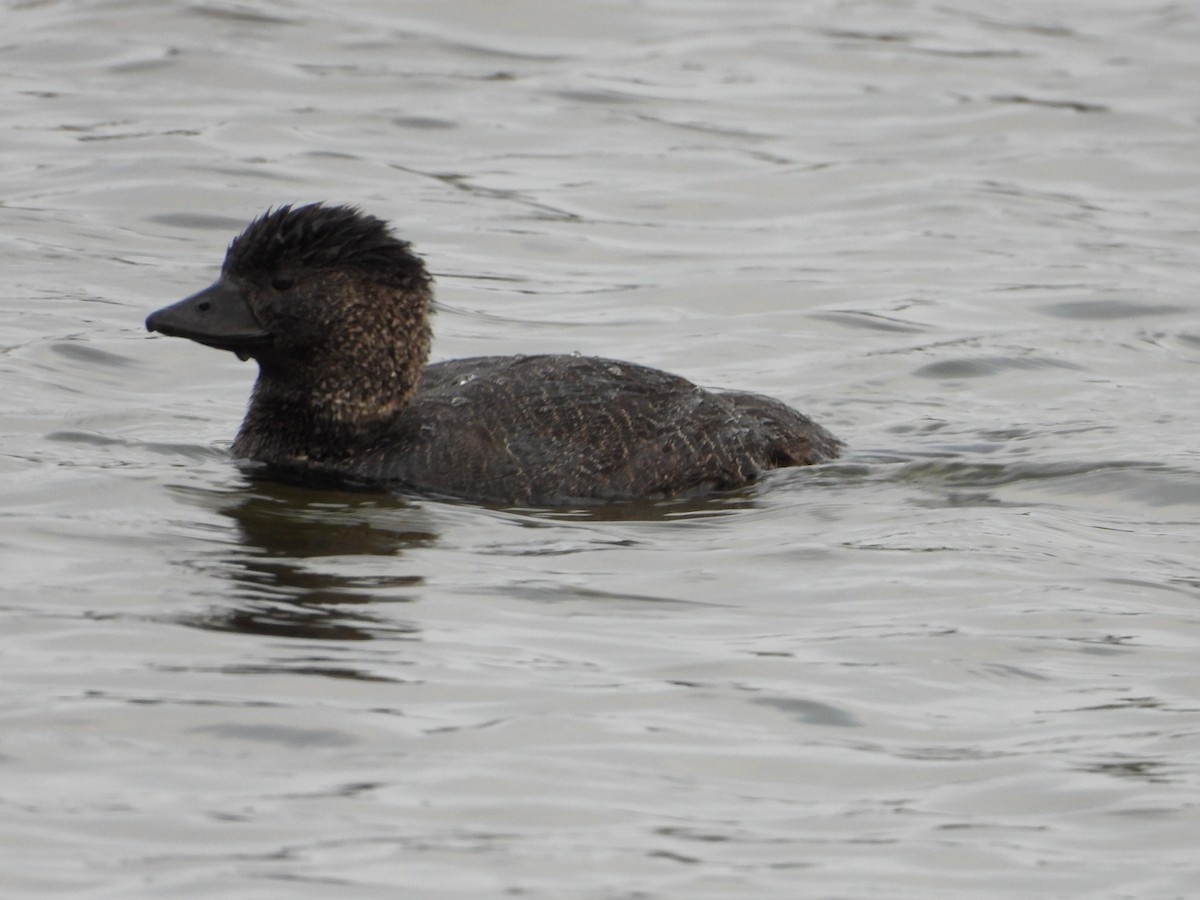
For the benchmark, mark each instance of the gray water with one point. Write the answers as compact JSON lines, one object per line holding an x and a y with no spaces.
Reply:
{"x":961,"y":662}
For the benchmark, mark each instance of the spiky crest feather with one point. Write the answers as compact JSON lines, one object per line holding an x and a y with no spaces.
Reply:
{"x":316,"y":236}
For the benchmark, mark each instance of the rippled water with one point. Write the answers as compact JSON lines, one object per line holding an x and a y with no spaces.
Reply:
{"x":959,"y":662}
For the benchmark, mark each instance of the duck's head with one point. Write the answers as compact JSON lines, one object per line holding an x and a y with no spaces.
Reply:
{"x":313,"y":293}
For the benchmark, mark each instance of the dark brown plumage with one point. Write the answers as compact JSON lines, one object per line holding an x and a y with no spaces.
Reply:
{"x":335,"y":309}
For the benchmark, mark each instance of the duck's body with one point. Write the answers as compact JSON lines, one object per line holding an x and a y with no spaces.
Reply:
{"x":335,"y":310}
{"x":546,"y":430}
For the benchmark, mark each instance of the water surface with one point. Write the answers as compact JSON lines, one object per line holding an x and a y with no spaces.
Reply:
{"x":959,"y":662}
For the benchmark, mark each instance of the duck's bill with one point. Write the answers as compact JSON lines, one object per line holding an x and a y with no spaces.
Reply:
{"x":217,"y":316}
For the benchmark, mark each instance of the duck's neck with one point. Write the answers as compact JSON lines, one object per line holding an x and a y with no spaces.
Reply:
{"x":327,"y":419}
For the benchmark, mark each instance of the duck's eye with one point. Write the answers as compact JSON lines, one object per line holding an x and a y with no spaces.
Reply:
{"x":282,"y":282}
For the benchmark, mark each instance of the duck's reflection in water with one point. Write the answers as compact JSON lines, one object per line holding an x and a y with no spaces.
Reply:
{"x":313,"y":564}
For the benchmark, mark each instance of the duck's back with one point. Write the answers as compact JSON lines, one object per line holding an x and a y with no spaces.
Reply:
{"x":554,"y":429}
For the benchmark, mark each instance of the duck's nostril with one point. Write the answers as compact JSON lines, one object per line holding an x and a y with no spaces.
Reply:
{"x":203,"y":306}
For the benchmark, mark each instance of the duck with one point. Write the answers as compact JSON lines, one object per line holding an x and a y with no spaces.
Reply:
{"x":335,"y":309}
